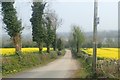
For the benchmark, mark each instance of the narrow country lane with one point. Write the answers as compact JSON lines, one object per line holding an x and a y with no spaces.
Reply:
{"x":60,"y":68}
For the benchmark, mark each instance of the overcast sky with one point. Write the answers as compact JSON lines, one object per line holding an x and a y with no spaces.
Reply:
{"x":81,"y":13}
{"x":75,"y":12}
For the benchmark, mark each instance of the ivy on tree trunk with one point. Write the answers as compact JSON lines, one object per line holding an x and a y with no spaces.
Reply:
{"x":38,"y":30}
{"x":17,"y":43}
{"x":12,"y":24}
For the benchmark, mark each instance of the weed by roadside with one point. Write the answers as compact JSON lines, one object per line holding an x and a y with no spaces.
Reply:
{"x":12,"y":64}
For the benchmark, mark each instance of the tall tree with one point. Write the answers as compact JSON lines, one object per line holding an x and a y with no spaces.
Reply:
{"x":78,"y":37}
{"x":55,"y":22}
{"x":49,"y":33}
{"x":38,"y":29}
{"x":12,"y":24}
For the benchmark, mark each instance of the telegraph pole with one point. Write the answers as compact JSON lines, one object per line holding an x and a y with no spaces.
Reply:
{"x":95,"y":36}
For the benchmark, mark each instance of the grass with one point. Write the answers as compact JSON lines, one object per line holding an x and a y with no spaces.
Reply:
{"x":12,"y":64}
{"x":85,"y":65}
{"x":82,"y":72}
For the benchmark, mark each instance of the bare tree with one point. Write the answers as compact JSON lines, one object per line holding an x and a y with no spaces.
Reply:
{"x":55,"y":23}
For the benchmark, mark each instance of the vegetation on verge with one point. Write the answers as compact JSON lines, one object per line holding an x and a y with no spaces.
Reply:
{"x":85,"y":69}
{"x":12,"y":64}
{"x":106,"y":67}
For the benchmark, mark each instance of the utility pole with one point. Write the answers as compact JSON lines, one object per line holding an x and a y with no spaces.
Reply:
{"x":96,"y":21}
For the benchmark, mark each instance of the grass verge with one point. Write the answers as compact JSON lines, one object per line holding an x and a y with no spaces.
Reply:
{"x":13,"y":64}
{"x":83,"y":71}
{"x":105,"y":68}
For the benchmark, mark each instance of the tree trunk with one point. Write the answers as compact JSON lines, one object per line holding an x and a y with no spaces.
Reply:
{"x":54,"y":48}
{"x":17,"y":43}
{"x":77,"y":47}
{"x":48,"y":49}
{"x":55,"y":41}
{"x":55,"y":45}
{"x":40,"y":48}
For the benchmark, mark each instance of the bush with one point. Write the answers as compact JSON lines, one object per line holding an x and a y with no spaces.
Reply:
{"x":53,"y":55}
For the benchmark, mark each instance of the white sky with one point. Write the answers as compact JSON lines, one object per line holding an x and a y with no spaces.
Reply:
{"x":78,"y":12}
{"x":81,"y":13}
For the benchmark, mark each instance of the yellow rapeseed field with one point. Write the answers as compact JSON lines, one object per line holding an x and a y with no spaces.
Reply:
{"x":111,"y":53}
{"x":11,"y":51}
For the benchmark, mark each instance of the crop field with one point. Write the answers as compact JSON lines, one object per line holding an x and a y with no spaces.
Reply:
{"x":110,"y":53}
{"x":11,"y":51}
